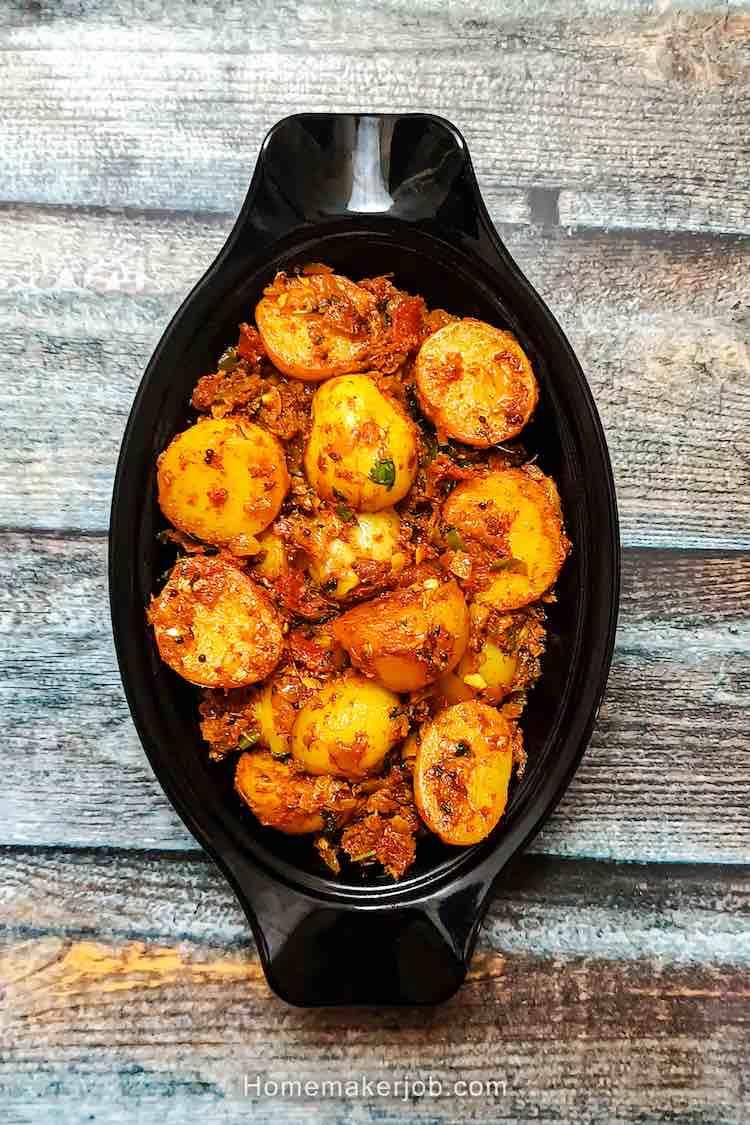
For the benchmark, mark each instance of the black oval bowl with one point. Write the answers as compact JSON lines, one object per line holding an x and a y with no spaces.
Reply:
{"x":367,"y":194}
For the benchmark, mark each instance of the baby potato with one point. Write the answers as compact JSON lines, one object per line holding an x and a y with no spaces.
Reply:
{"x":462,"y":771}
{"x":491,"y":670}
{"x":475,"y":382}
{"x":283,"y":798}
{"x":408,"y":637}
{"x":275,"y":709}
{"x":223,"y":481}
{"x":318,"y":325}
{"x":347,"y":728}
{"x":362,"y":448}
{"x":515,"y":514}
{"x":214,"y":626}
{"x":508,"y":658}
{"x":363,"y":551}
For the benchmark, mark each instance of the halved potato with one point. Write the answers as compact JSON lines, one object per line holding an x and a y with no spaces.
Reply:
{"x":410,"y":636}
{"x":514,"y":514}
{"x":223,"y":481}
{"x":462,"y":771}
{"x":362,"y":448}
{"x":318,"y":325}
{"x":214,"y":626}
{"x":347,"y":728}
{"x":350,"y":552}
{"x":284,"y":798}
{"x":475,"y":382}
{"x":507,"y":659}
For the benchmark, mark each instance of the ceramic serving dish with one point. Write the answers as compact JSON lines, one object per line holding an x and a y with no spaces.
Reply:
{"x":368,"y":194}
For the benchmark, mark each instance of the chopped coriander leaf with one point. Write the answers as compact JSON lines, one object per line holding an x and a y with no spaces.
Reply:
{"x":344,"y":513}
{"x":431,"y":446}
{"x":454,"y":540}
{"x":247,"y":740}
{"x":511,"y":565}
{"x":384,"y":472}
{"x":229,"y":360}
{"x":338,"y":495}
{"x":462,"y":749}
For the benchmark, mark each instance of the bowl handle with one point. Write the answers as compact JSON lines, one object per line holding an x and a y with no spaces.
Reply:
{"x":405,"y":950}
{"x":323,"y":168}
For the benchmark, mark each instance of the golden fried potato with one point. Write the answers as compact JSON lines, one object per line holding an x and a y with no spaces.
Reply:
{"x":214,"y":626}
{"x":284,"y":798}
{"x":223,"y":481}
{"x":347,"y":728}
{"x":508,"y":657}
{"x":462,"y":771}
{"x":316,"y":326}
{"x":350,"y":552}
{"x":410,"y":636}
{"x":514,"y":515}
{"x":275,"y":709}
{"x":362,"y":448}
{"x":450,"y":689}
{"x":475,"y":383}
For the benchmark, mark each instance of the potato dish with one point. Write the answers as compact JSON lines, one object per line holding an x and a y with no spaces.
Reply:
{"x":364,"y":556}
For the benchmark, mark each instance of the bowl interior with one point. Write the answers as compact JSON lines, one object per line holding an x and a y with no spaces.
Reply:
{"x":165,"y":707}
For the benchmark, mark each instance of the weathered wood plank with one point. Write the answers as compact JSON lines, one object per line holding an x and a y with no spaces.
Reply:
{"x":151,"y":25}
{"x":131,"y":985}
{"x":545,"y":907}
{"x":635,"y":115}
{"x":661,"y":328}
{"x":123,"y":1029}
{"x":666,"y":775}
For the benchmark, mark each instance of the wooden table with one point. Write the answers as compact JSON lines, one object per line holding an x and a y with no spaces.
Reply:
{"x":610,"y":138}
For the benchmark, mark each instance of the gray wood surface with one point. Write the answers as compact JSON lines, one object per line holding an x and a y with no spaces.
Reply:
{"x":627,"y":109}
{"x":611,"y":141}
{"x":660,"y":326}
{"x":670,"y":748}
{"x":620,"y":991}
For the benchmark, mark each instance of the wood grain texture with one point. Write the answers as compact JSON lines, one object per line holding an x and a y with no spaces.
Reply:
{"x":169,"y":1034}
{"x":660,"y":326}
{"x":173,"y":1033}
{"x":599,"y":993}
{"x":666,"y":775}
{"x":544,"y":906}
{"x":635,"y":113}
